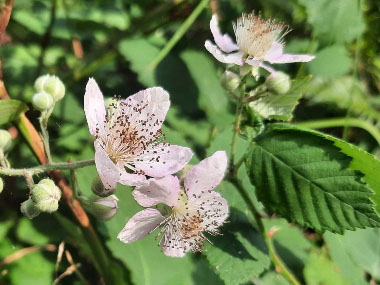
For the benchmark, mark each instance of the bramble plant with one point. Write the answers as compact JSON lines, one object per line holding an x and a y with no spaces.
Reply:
{"x":212,"y":160}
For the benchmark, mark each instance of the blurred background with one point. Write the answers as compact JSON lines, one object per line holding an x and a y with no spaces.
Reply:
{"x":118,"y":42}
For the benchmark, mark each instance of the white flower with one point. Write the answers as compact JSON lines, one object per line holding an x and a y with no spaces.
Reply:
{"x":190,"y":212}
{"x":128,"y":137}
{"x":258,"y":40}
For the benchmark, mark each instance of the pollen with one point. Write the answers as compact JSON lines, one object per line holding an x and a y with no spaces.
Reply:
{"x":255,"y":35}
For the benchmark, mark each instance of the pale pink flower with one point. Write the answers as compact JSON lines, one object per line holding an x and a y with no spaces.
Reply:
{"x":188,"y":212}
{"x":258,"y":40}
{"x":129,"y":142}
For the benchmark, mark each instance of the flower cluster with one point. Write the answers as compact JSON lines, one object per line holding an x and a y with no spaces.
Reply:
{"x":129,"y":146}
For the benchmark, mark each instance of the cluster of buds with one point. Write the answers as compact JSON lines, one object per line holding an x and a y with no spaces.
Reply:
{"x":44,"y":197}
{"x":50,"y":89}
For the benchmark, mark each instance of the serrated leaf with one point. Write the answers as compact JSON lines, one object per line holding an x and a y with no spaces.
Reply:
{"x":306,"y":179}
{"x":276,"y":106}
{"x":338,"y":21}
{"x":10,"y":110}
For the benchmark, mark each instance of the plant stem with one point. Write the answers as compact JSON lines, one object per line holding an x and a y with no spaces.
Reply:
{"x":341,"y":122}
{"x":178,"y":34}
{"x":280,"y":266}
{"x":46,"y":167}
{"x":239,"y":108}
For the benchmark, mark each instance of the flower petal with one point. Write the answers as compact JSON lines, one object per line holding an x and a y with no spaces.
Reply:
{"x":173,"y":245}
{"x":276,"y":55}
{"x":207,"y":174}
{"x":164,"y":160}
{"x":131,"y":179}
{"x":147,"y":110}
{"x":224,"y":42}
{"x":233,"y":58}
{"x":94,"y":107}
{"x":160,"y":190}
{"x":140,"y":225}
{"x":213,"y":206}
{"x":107,"y":170}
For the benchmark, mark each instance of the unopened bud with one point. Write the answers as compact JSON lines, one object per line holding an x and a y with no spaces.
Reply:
{"x":29,"y":209}
{"x":55,"y":87}
{"x":104,"y":208}
{"x":230,"y":80}
{"x":1,"y":185}
{"x":98,"y":188}
{"x":40,"y":82}
{"x":5,"y":140}
{"x":42,"y":101}
{"x":46,"y":195}
{"x":279,"y":83}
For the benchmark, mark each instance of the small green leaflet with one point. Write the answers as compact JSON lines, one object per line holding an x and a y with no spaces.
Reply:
{"x":301,"y":175}
{"x":10,"y":110}
{"x":280,"y":106}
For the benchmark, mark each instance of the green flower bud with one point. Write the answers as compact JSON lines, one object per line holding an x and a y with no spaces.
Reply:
{"x":55,"y":87}
{"x":42,"y":101}
{"x":230,"y":81}
{"x":29,"y":209}
{"x":279,"y":83}
{"x":46,"y":195}
{"x":5,"y":140}
{"x":104,"y":208}
{"x":98,"y":188}
{"x":1,"y":185}
{"x":40,"y":82}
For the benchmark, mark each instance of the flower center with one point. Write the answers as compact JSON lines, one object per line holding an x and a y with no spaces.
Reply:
{"x":255,"y":35}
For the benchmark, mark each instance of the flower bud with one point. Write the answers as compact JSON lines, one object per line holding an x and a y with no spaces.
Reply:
{"x":46,"y":195}
{"x":104,"y":208}
{"x":5,"y":140}
{"x":279,"y":83}
{"x":55,"y":87}
{"x":29,"y":209}
{"x":42,"y":101}
{"x":98,"y":188}
{"x":230,"y":80}
{"x":1,"y":185}
{"x":40,"y":82}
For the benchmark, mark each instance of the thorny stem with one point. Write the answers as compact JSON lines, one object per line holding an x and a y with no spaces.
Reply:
{"x":232,"y":177}
{"x":44,"y":133}
{"x":46,"y":167}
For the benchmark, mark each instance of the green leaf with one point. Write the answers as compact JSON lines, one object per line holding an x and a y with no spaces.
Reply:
{"x":321,"y":65}
{"x":212,"y":97}
{"x":339,"y":252}
{"x":338,"y":21}
{"x":321,"y":270}
{"x":240,"y":254}
{"x":10,"y":110}
{"x":276,"y":106}
{"x":302,"y":176}
{"x":364,"y":248}
{"x":280,"y":106}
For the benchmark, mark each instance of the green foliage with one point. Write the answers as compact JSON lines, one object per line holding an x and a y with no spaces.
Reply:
{"x":338,"y":21}
{"x":320,"y":270}
{"x":10,"y":110}
{"x":321,"y":65}
{"x":306,"y":179}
